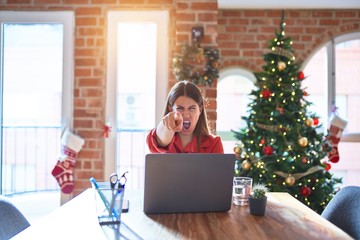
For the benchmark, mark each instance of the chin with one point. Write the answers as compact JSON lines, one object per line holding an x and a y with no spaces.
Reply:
{"x":187,"y":132}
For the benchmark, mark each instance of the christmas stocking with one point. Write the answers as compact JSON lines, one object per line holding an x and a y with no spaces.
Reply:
{"x":63,"y":170}
{"x":337,"y":125}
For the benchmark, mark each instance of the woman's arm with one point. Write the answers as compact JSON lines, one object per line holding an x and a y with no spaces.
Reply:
{"x":171,"y":123}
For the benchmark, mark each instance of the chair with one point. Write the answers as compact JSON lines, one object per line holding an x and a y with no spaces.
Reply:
{"x":12,"y":221}
{"x":344,"y":210}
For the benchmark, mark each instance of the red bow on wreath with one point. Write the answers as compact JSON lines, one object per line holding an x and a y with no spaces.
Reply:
{"x":106,"y":130}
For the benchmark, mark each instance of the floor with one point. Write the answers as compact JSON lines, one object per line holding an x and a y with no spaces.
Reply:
{"x":34,"y":206}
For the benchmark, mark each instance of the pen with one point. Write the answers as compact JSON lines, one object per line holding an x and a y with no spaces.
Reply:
{"x":103,"y":198}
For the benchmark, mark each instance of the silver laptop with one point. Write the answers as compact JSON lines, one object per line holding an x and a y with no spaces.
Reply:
{"x":188,"y":182}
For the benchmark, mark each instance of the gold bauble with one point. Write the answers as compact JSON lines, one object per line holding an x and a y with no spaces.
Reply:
{"x":237,"y":150}
{"x":290,"y":180}
{"x":281,"y":66}
{"x":303,"y":141}
{"x":246,"y":165}
{"x":309,"y":122}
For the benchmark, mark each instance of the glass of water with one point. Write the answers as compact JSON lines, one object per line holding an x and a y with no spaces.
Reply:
{"x":241,"y":190}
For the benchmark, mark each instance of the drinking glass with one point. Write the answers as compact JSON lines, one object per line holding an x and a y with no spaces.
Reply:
{"x":241,"y":190}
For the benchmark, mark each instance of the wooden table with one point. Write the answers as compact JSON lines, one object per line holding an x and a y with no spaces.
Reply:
{"x":285,"y":218}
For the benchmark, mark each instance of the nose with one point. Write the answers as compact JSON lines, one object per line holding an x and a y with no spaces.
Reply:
{"x":186,"y":113}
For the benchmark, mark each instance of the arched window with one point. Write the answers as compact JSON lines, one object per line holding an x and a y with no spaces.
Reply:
{"x":333,"y":79}
{"x":233,"y":90}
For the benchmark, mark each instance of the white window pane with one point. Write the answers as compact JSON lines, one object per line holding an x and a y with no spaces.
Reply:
{"x":348,"y":83}
{"x":136,"y":75}
{"x":232,"y":91}
{"x":33,"y":65}
{"x":315,"y":84}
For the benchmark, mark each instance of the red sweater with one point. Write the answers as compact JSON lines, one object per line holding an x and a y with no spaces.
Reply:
{"x":209,"y":144}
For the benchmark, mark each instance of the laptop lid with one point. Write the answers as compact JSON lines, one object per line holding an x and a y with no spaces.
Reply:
{"x":188,"y":182}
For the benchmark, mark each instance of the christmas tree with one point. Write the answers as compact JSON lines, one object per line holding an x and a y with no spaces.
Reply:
{"x":283,"y":145}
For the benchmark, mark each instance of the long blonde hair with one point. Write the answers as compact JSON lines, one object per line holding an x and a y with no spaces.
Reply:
{"x":188,"y":89}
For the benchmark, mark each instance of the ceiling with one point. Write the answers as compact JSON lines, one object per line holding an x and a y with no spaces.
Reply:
{"x":289,"y":4}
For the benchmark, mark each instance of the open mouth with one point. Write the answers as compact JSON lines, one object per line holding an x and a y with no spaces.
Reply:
{"x":186,"y":124}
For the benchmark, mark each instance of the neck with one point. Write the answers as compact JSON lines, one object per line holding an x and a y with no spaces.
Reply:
{"x":185,"y":139}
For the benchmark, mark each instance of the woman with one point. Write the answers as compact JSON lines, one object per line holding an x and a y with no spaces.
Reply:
{"x":184,"y":127}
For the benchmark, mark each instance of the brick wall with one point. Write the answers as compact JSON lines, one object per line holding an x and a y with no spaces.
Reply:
{"x":243,"y":35}
{"x":240,"y":35}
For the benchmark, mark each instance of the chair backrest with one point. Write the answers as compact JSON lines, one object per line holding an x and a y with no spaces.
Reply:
{"x":12,"y":221}
{"x":344,"y":210}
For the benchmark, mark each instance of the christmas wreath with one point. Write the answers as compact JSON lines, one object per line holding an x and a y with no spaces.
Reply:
{"x":196,"y":64}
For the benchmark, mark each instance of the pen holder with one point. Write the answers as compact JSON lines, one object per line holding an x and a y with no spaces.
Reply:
{"x":108,"y":203}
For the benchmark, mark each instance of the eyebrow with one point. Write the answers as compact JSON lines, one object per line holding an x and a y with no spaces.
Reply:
{"x":184,"y":107}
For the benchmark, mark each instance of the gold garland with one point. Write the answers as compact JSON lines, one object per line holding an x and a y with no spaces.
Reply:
{"x":272,"y":128}
{"x":283,"y":52}
{"x":196,"y":64}
{"x":297,"y":176}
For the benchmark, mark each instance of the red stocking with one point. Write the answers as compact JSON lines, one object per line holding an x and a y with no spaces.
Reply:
{"x":337,"y":125}
{"x":63,"y":170}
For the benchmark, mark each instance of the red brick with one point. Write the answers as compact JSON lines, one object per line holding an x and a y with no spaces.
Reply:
{"x":86,"y":21}
{"x":204,"y":6}
{"x":160,"y":2}
{"x":88,"y":11}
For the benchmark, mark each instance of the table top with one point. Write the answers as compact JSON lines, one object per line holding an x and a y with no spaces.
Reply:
{"x":285,"y":218}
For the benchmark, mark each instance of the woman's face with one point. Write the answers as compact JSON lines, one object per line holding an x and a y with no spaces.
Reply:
{"x":190,"y":112}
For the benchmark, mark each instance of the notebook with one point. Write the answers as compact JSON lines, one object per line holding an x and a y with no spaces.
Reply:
{"x":188,"y":182}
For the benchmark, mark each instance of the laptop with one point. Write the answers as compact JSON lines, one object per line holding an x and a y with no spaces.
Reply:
{"x":188,"y":182}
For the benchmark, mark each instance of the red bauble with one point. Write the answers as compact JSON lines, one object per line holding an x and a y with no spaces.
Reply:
{"x":327,"y":166}
{"x":268,"y":150}
{"x":316,"y":121}
{"x":262,"y":141}
{"x":305,"y":93}
{"x":266,"y":93}
{"x":301,"y":75}
{"x":305,"y":191}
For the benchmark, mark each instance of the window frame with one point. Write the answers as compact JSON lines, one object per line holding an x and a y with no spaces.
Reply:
{"x":67,"y":18}
{"x":161,"y":18}
{"x":330,"y":85}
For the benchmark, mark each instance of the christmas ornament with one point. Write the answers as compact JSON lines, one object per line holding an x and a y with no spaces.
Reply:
{"x":303,"y":141}
{"x":280,"y":109}
{"x":266,"y":93}
{"x":309,"y":122}
{"x":327,"y":166}
{"x":305,"y":93}
{"x":303,"y":160}
{"x":300,"y":75}
{"x":237,"y":150}
{"x":337,"y":125}
{"x":316,"y":121}
{"x":63,"y":170}
{"x":246,"y":165}
{"x":268,"y":150}
{"x":305,"y":191}
{"x":106,"y":130}
{"x":290,"y":180}
{"x":281,"y":66}
{"x":262,"y":141}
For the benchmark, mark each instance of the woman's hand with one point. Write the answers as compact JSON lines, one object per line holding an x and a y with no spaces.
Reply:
{"x":173,"y":121}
